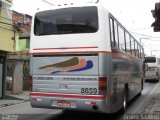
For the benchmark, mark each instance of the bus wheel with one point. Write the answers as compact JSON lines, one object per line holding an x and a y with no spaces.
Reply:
{"x":124,"y":101}
{"x":140,"y":93}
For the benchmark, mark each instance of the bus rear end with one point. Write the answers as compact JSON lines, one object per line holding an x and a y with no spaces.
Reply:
{"x":68,"y":81}
{"x":68,"y":59}
{"x":153,"y":70}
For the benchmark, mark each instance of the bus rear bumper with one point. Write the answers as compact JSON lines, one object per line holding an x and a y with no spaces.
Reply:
{"x":151,"y":78}
{"x":95,"y":103}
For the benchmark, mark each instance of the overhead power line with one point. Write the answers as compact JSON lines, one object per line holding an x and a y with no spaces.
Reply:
{"x":48,"y":2}
{"x":144,"y":28}
{"x":144,"y":35}
{"x":153,"y":40}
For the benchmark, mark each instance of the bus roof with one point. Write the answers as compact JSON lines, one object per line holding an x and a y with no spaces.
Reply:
{"x":68,"y":5}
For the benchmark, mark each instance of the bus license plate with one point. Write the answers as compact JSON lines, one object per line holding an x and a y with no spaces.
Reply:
{"x":63,"y":104}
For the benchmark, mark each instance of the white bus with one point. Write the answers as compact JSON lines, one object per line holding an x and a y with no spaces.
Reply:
{"x":153,"y":68}
{"x":83,"y":59}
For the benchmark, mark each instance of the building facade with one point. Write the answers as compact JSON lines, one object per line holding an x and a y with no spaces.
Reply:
{"x":7,"y":42}
{"x":18,"y":62}
{"x":23,"y":24}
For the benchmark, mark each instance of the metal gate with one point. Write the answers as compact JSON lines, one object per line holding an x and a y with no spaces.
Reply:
{"x":1,"y":73}
{"x":10,"y":71}
{"x":25,"y":74}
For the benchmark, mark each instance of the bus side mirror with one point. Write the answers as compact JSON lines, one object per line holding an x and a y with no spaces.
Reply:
{"x":146,"y":66}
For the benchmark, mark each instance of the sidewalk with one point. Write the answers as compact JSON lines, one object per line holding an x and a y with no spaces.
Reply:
{"x":14,"y":99}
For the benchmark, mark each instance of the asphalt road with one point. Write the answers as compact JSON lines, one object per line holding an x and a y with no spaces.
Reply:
{"x":24,"y":111}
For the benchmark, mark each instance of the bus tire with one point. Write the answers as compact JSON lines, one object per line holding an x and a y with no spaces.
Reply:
{"x":142,"y":85}
{"x":124,"y":103}
{"x":156,"y":81}
{"x":140,"y":93}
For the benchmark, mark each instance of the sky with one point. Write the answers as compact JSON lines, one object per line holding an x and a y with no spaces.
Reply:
{"x":134,"y":15}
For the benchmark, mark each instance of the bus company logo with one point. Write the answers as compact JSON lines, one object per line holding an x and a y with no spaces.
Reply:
{"x":72,"y":65}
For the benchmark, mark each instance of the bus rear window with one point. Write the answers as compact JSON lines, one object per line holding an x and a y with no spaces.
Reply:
{"x":150,"y":59}
{"x":66,"y":21}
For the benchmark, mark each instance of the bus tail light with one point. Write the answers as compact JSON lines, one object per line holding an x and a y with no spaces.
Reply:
{"x":30,"y":83}
{"x":156,"y":73}
{"x":102,"y":85}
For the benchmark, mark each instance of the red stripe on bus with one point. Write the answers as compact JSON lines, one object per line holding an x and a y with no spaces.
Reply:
{"x":87,"y":52}
{"x":65,"y":48}
{"x":69,"y":95}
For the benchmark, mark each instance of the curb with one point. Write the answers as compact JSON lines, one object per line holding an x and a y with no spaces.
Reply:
{"x":12,"y":102}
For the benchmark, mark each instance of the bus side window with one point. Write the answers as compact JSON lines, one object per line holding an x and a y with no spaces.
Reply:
{"x":140,"y":52}
{"x":121,"y":38}
{"x":128,"y":46}
{"x":112,"y":32}
{"x":116,"y":34}
{"x":132,"y":46}
{"x":136,"y":49}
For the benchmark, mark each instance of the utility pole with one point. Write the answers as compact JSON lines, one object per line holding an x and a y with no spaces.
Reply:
{"x":140,"y":40}
{"x":154,"y":50}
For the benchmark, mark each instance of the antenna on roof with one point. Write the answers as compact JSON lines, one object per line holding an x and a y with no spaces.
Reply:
{"x":97,"y":1}
{"x":48,"y":2}
{"x":93,"y":1}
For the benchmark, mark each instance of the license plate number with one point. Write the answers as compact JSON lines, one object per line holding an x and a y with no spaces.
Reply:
{"x":63,"y":104}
